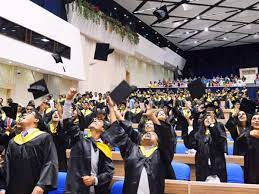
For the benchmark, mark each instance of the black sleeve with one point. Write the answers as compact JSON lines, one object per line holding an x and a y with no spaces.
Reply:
{"x":243,"y":142}
{"x":133,"y":134}
{"x":219,"y":137}
{"x":49,"y":172}
{"x":71,"y":131}
{"x":166,"y":141}
{"x":4,"y":138}
{"x":231,"y":126}
{"x":106,"y":177}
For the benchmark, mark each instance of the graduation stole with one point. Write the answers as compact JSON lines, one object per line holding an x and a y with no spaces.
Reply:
{"x":52,"y":128}
{"x":48,"y":111}
{"x":101,"y":146}
{"x":19,"y":139}
{"x":187,"y":113}
{"x":86,"y":112}
{"x":136,"y":111}
{"x":147,"y":153}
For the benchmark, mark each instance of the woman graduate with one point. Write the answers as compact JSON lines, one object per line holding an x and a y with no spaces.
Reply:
{"x":236,"y":124}
{"x":145,"y":164}
{"x":90,"y":168}
{"x":31,"y":165}
{"x":209,"y":140}
{"x":248,"y":142}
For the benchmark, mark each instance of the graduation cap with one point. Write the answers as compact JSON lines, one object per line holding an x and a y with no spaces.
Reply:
{"x":38,"y":89}
{"x":57,"y":58}
{"x":9,"y":112}
{"x":248,"y":106}
{"x":122,"y":92}
{"x":196,"y":89}
{"x":161,"y":14}
{"x":102,"y":51}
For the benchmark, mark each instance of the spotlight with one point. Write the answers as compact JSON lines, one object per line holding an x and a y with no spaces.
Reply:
{"x":161,"y":14}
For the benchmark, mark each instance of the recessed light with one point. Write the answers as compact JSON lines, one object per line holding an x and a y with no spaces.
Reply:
{"x":115,"y":8}
{"x":195,"y":42}
{"x":206,"y":29}
{"x":143,"y":27}
{"x":44,"y":40}
{"x":13,"y":30}
{"x":3,"y":28}
{"x":139,"y":21}
{"x":256,"y":36}
{"x":225,"y":38}
{"x":187,"y":32}
{"x":157,"y":38}
{"x":155,"y":32}
{"x":198,"y":17}
{"x":130,"y":23}
{"x":125,"y":15}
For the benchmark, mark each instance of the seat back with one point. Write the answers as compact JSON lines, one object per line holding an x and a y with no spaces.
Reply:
{"x":182,"y":171}
{"x":61,"y":183}
{"x":181,"y":149}
{"x":117,"y":187}
{"x":235,"y":173}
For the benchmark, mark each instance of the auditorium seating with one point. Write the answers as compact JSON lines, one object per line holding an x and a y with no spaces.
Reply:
{"x":230,"y":149}
{"x":182,"y":171}
{"x":181,"y":149}
{"x":117,"y":187}
{"x":235,"y":173}
{"x":61,"y":183}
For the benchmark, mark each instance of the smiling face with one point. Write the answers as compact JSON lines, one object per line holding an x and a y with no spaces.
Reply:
{"x":55,"y":117}
{"x":255,"y":122}
{"x":97,"y":125}
{"x":149,"y":139}
{"x":149,"y":126}
{"x":242,"y":116}
{"x":29,"y":120}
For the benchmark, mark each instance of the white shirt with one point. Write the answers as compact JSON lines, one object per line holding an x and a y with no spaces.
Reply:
{"x":143,"y":187}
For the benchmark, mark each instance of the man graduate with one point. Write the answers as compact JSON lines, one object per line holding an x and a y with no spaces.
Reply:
{"x":31,"y":165}
{"x":145,"y":164}
{"x":90,"y":168}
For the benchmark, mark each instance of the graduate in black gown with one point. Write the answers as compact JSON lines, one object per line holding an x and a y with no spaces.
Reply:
{"x":236,"y":124}
{"x":209,"y":140}
{"x":248,"y":142}
{"x":145,"y":164}
{"x":90,"y":168}
{"x":31,"y":165}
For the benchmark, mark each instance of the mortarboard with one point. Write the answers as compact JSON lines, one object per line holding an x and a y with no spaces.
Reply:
{"x":57,"y":58}
{"x":196,"y":89}
{"x":161,"y":13}
{"x":122,"y":92}
{"x":102,"y":51}
{"x":38,"y":89}
{"x":9,"y":112}
{"x":248,"y":106}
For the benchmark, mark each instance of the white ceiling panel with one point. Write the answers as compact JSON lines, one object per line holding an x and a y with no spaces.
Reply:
{"x":215,"y":43}
{"x":251,"y":39}
{"x":184,"y":47}
{"x":239,"y":3}
{"x":250,"y":28}
{"x":208,"y":35}
{"x":175,"y":40}
{"x":235,"y":44}
{"x":231,"y":36}
{"x":147,"y":19}
{"x":200,"y":48}
{"x":199,"y":24}
{"x":226,"y":26}
{"x":192,"y":42}
{"x":219,"y":13}
{"x":172,"y":22}
{"x":245,"y":16}
{"x":182,"y":33}
{"x":206,"y":2}
{"x":187,"y":10}
{"x":150,"y":6}
{"x":162,"y":31}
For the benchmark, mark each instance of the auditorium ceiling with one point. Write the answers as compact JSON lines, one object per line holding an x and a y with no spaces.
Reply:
{"x":200,"y":24}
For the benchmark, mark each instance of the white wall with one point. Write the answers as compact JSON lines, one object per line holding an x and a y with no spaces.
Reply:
{"x":32,"y":16}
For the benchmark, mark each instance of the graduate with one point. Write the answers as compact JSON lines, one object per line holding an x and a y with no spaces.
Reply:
{"x":90,"y":168}
{"x":236,"y":124}
{"x":31,"y":165}
{"x":248,"y":142}
{"x":145,"y":163}
{"x":209,"y":140}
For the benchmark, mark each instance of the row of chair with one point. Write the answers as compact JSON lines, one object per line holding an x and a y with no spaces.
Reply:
{"x":182,"y":172}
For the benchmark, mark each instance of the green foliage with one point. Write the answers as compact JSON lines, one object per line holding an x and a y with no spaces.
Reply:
{"x":92,"y":13}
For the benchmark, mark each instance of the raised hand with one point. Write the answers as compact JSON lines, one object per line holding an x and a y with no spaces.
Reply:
{"x":110,"y":102}
{"x":149,"y":111}
{"x":71,"y":93}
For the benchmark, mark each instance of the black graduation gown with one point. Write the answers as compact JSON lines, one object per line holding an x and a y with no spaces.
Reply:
{"x":135,"y":137}
{"x":61,"y":143}
{"x":31,"y":164}
{"x":80,"y":162}
{"x":231,"y":126}
{"x":156,"y":165}
{"x":250,"y":147}
{"x":211,"y":147}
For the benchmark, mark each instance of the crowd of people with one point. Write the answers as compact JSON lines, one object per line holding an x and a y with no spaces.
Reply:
{"x":34,"y":140}
{"x":218,"y":81}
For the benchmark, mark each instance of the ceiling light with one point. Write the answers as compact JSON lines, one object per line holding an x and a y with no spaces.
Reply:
{"x":161,"y":14}
{"x":206,"y":29}
{"x":157,"y":38}
{"x":146,"y":34}
{"x":143,"y":27}
{"x":139,"y":21}
{"x":256,"y":36}
{"x":195,"y":42}
{"x":125,"y":15}
{"x":198,"y":17}
{"x":130,"y":23}
{"x":225,"y":38}
{"x":3,"y":28}
{"x":13,"y":30}
{"x":115,"y":8}
{"x":187,"y":32}
{"x":155,"y":32}
{"x":44,"y":40}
